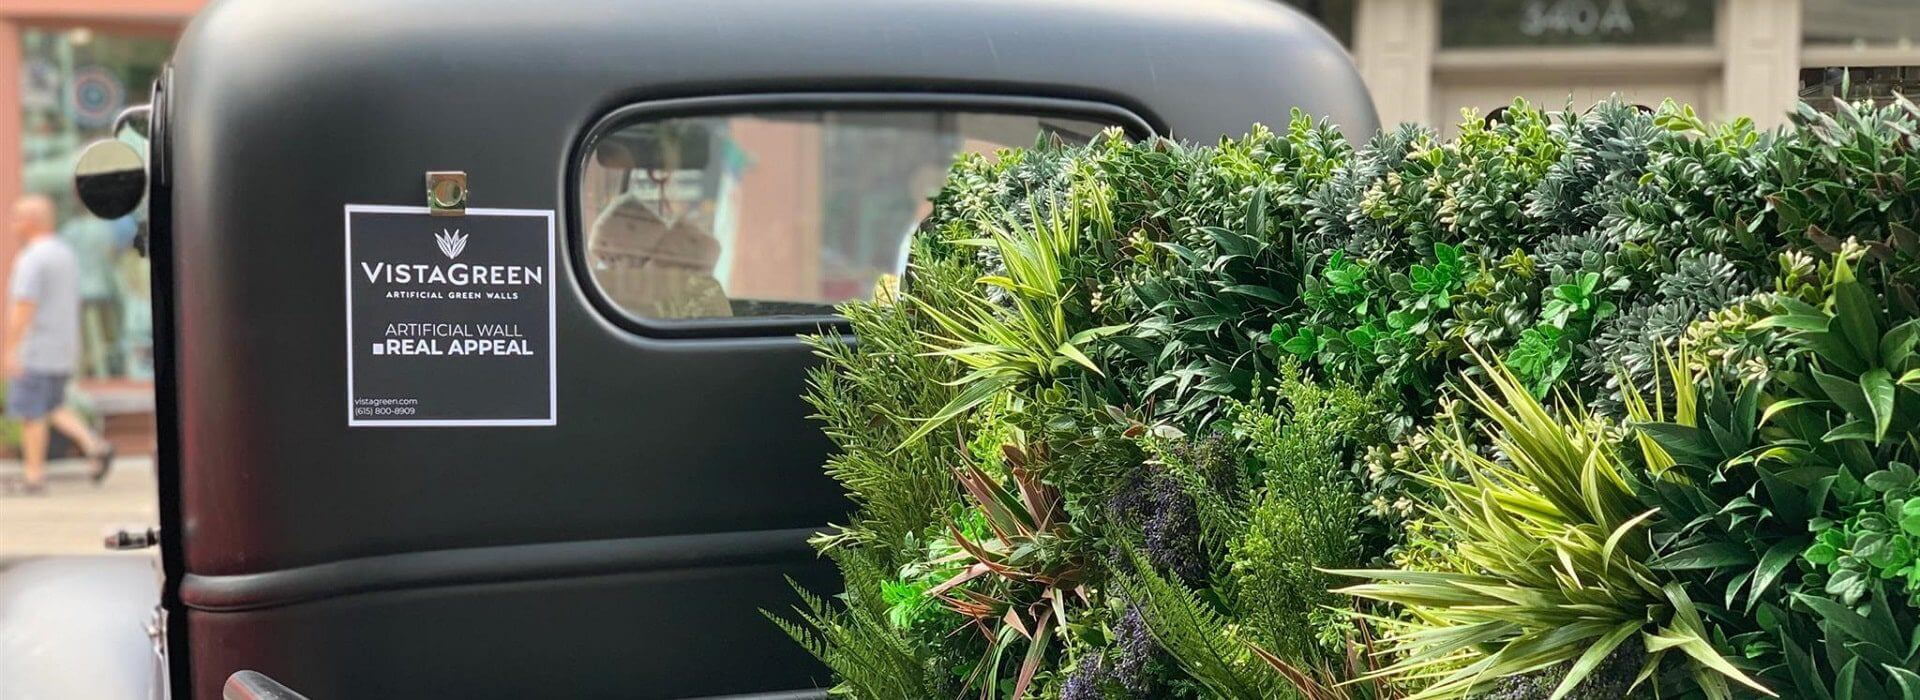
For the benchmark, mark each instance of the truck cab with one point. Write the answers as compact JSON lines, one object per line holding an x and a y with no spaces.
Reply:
{"x":476,"y":323}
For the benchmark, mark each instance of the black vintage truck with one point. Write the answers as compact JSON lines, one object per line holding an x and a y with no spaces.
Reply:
{"x":476,"y":321}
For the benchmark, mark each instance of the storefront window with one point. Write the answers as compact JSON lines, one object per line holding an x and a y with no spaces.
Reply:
{"x":74,"y":82}
{"x":1861,"y":24}
{"x":1523,"y":23}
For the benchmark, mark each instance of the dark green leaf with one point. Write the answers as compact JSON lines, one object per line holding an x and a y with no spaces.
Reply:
{"x":1772,"y":564}
{"x":1844,"y":392}
{"x":1897,"y":346}
{"x":1258,"y":292}
{"x":1712,"y":555}
{"x":1850,"y":430}
{"x":1832,"y":347}
{"x":1855,"y":310}
{"x":1798,"y":322}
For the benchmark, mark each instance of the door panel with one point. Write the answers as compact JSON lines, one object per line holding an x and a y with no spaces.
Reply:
{"x":667,"y":634}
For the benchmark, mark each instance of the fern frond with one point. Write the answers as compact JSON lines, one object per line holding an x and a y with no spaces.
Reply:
{"x":1199,"y":637}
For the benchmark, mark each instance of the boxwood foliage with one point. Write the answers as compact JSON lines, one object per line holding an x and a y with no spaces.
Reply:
{"x":1577,"y":403}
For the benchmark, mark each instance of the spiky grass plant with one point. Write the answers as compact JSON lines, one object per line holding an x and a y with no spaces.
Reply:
{"x":1556,"y":559}
{"x":1014,"y":327}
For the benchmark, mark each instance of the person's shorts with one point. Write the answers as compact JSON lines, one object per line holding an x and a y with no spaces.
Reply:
{"x":33,"y":395}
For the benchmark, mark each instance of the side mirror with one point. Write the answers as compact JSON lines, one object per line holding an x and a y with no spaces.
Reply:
{"x":110,"y":178}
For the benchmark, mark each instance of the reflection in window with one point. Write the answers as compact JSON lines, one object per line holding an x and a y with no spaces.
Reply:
{"x":1821,"y":86}
{"x":1861,"y":24}
{"x":1509,"y":23}
{"x":776,"y":213}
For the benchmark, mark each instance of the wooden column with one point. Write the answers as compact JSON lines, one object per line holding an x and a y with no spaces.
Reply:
{"x":1760,"y":40}
{"x":12,"y":159}
{"x":1394,"y":42}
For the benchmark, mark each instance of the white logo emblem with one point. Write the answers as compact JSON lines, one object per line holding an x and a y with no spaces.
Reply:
{"x":451,"y":243}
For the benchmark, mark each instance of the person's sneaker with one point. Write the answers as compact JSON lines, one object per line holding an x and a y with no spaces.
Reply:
{"x":102,"y":464}
{"x":33,"y":488}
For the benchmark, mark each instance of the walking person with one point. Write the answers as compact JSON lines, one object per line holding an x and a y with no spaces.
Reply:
{"x":43,"y":344}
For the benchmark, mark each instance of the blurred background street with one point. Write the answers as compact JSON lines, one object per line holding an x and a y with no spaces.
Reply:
{"x":74,"y":515}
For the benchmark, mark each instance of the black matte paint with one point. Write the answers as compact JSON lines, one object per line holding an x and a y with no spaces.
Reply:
{"x":625,"y":552}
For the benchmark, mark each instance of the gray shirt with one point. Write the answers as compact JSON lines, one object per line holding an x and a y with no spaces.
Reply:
{"x":95,"y":241}
{"x":47,"y":274}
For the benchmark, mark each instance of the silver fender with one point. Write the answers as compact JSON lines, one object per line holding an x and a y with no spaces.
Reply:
{"x":77,"y":627}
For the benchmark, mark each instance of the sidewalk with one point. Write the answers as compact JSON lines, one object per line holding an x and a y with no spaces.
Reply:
{"x":74,"y":516}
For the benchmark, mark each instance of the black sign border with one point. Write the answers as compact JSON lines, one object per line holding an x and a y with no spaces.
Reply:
{"x":553,"y":331}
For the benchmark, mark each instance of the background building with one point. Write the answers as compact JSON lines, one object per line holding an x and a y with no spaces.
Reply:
{"x":1425,"y":60}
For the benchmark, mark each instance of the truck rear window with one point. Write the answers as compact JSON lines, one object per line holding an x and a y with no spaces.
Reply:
{"x":777,"y":213}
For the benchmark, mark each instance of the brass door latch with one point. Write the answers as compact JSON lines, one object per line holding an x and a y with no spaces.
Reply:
{"x":447,"y":192}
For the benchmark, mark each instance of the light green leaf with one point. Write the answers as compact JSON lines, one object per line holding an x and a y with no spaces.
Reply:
{"x":1782,"y":406}
{"x":1687,"y":634}
{"x":1701,"y":652}
{"x":1619,"y":533}
{"x":1073,"y":353}
{"x":1092,"y":333}
{"x":1908,"y":680}
{"x":1896,"y":476}
{"x":1593,"y":657}
{"x":976,"y":393}
{"x":1877,"y":385}
{"x":1850,"y":430}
